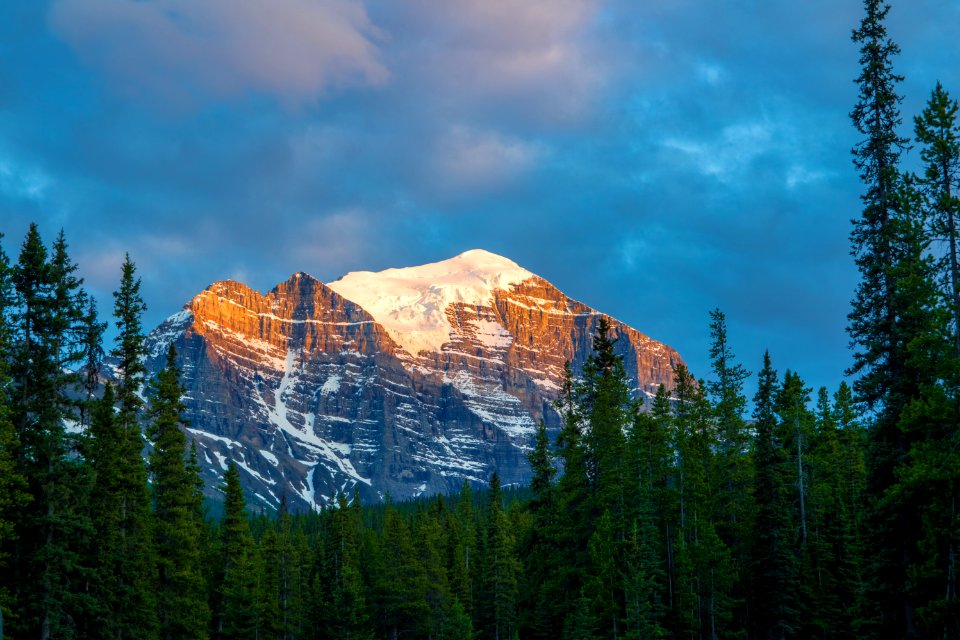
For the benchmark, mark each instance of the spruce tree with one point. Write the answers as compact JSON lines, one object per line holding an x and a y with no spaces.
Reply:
{"x":541,"y":464}
{"x":538,"y":546}
{"x":13,"y":485}
{"x":402,"y":583}
{"x":605,"y":404}
{"x":796,"y":430}
{"x":604,"y":585}
{"x":876,"y":116}
{"x":645,"y":569}
{"x":890,"y":313}
{"x":500,"y":569}
{"x":732,"y":461}
{"x":457,"y":624}
{"x":238,"y":615}
{"x":937,"y":129}
{"x":572,"y":491}
{"x":342,"y":608}
{"x":120,"y":504}
{"x":53,"y":528}
{"x":180,"y":589}
{"x":462,"y":549}
{"x":93,"y":354}
{"x":429,"y":531}
{"x":130,"y":352}
{"x":775,"y":563}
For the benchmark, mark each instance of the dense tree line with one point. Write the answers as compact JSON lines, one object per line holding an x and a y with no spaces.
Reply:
{"x":682,"y":520}
{"x":809,"y":515}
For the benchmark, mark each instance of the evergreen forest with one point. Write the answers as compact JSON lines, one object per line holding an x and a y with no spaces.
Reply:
{"x":727,"y":507}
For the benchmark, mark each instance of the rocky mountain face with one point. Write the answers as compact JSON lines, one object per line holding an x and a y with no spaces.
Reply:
{"x":401,"y":383}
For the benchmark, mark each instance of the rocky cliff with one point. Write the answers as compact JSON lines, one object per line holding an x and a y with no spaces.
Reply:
{"x":402,"y":382}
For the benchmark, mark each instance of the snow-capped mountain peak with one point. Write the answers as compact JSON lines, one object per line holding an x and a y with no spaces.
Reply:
{"x":402,"y":382}
{"x":411,"y":303}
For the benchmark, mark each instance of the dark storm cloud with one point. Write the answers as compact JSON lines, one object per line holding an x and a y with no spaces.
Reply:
{"x":655,"y":160}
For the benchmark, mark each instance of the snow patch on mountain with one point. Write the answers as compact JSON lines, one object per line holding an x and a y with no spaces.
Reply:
{"x":411,"y":303}
{"x":159,"y":340}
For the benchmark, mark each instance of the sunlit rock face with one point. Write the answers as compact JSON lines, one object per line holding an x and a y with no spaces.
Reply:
{"x":402,"y":382}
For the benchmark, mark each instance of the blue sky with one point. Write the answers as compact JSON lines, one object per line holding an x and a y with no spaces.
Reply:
{"x":652,"y":159}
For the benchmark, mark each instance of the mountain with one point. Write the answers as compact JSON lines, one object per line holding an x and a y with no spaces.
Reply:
{"x":401,"y":382}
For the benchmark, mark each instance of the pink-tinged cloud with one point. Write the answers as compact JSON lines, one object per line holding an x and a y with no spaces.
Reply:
{"x":475,"y":160}
{"x":542,"y":58}
{"x":180,"y":50}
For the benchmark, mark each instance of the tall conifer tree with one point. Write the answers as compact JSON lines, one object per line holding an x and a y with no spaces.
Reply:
{"x":500,"y":568}
{"x":937,"y":129}
{"x":180,"y":590}
{"x":891,"y":311}
{"x":53,"y":527}
{"x":774,"y":560}
{"x":238,"y":616}
{"x":121,"y":501}
{"x":13,"y":495}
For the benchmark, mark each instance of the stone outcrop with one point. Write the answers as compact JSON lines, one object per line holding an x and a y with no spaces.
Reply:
{"x":310,"y":393}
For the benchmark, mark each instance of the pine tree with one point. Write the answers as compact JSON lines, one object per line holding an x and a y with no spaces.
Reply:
{"x":53,"y":528}
{"x":462,"y":543}
{"x":890,"y":312}
{"x":826,"y":526}
{"x":402,"y":584}
{"x":876,"y":116}
{"x":604,"y":584}
{"x":938,"y":130}
{"x":500,"y":569}
{"x":130,"y":352}
{"x":837,"y":511}
{"x":605,"y":404}
{"x":732,"y":460}
{"x":538,"y":546}
{"x":429,"y":531}
{"x":775,"y":563}
{"x":238,"y":616}
{"x":572,"y":491}
{"x":93,"y":354}
{"x":342,"y":608}
{"x":13,"y":485}
{"x":121,"y":501}
{"x":796,"y":434}
{"x":180,"y":590}
{"x":645,"y":570}
{"x":284,"y":567}
{"x":457,"y":624}
{"x":643,"y":578}
{"x":541,"y":464}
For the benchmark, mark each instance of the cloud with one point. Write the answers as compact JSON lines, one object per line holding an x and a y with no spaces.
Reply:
{"x":181,"y":50}
{"x":654,"y":159}
{"x":542,"y":59}
{"x":17,"y":181}
{"x":327,"y":242}
{"x":475,"y":160}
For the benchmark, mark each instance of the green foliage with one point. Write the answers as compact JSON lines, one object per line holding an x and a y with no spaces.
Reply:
{"x":500,"y":569}
{"x":52,"y":528}
{"x":239,"y":605}
{"x":13,"y":484}
{"x":120,"y":502}
{"x":775,"y":564}
{"x":180,"y":588}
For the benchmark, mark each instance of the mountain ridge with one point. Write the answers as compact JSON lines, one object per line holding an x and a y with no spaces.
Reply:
{"x":310,"y":393}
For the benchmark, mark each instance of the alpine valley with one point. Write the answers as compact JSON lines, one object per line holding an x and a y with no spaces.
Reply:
{"x":399,"y":383}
